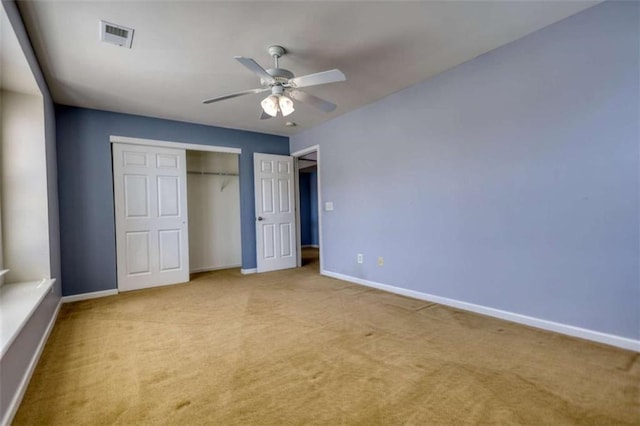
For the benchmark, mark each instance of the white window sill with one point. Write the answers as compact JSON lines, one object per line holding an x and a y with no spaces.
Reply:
{"x":18,"y":301}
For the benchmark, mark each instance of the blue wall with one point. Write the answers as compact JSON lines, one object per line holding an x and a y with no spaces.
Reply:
{"x":86,"y":186}
{"x":510,"y":181}
{"x":313,"y":209}
{"x":305,"y":208}
{"x":309,"y":209}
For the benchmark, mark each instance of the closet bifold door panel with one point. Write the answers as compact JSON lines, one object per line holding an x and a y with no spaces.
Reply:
{"x":150,"y":196}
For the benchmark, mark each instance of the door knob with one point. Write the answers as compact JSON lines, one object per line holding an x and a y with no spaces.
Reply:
{"x":260,"y":218}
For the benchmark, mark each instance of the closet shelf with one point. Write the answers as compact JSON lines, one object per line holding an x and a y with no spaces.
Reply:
{"x":224,"y":183}
{"x":212,"y":173}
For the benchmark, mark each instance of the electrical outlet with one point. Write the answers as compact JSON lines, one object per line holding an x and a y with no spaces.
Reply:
{"x":380,"y":261}
{"x":360,"y":258}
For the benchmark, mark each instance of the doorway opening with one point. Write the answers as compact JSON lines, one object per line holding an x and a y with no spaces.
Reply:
{"x":213,"y":195}
{"x":309,"y":211}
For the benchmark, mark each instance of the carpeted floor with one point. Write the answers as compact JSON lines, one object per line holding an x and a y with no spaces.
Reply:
{"x":292,"y":347}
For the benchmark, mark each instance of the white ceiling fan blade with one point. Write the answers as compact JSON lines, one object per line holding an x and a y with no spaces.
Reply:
{"x":235,"y":95}
{"x":265,"y":116}
{"x":315,"y":101}
{"x":253,"y":66}
{"x":324,"y":77}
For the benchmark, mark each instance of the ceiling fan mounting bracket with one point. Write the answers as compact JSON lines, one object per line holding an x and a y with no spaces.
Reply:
{"x":276,"y":51}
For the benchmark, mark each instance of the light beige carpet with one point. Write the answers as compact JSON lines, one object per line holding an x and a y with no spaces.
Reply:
{"x":296,"y":348}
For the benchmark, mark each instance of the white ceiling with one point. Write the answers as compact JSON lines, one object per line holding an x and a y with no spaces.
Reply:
{"x":183,"y":51}
{"x":15,"y":74}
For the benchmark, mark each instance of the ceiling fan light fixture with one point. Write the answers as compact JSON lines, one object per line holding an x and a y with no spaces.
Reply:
{"x":286,"y":106}
{"x":270,"y":105}
{"x":284,"y":87}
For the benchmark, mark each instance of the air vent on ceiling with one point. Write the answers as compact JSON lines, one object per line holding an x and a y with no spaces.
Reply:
{"x":116,"y":34}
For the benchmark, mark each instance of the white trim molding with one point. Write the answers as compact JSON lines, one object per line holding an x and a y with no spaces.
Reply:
{"x":87,"y":296}
{"x":248,"y":271}
{"x":213,"y":268}
{"x":570,"y":330}
{"x":171,"y":144}
{"x":24,"y":383}
{"x":305,"y":151}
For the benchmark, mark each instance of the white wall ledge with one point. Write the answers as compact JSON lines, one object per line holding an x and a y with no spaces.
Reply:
{"x":18,"y":301}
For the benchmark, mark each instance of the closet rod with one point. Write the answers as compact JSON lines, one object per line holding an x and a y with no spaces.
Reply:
{"x":212,"y":173}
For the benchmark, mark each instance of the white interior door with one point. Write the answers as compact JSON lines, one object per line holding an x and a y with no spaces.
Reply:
{"x":150,"y":194}
{"x":275,"y":212}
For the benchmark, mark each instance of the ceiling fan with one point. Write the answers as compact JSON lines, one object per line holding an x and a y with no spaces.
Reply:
{"x":283,"y":86}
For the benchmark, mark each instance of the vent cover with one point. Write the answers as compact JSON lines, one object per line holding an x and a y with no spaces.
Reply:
{"x":116,"y":34}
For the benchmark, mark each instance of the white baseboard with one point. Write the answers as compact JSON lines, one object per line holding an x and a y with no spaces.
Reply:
{"x":248,"y":271}
{"x":17,"y":398}
{"x":310,"y":246}
{"x":570,"y":330}
{"x":86,"y":296}
{"x":213,"y":268}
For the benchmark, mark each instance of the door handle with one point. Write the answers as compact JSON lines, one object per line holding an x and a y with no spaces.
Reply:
{"x":260,"y":218}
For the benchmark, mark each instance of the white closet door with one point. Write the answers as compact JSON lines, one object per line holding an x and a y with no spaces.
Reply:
{"x":275,"y":212}
{"x":150,"y":194}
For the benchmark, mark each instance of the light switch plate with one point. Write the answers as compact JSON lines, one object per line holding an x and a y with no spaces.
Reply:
{"x":328,"y":206}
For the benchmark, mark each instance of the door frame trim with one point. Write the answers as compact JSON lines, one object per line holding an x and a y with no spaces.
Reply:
{"x":171,"y":144}
{"x":296,"y":155}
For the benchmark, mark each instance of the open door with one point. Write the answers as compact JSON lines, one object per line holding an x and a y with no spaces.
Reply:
{"x":150,"y":195}
{"x":275,"y":212}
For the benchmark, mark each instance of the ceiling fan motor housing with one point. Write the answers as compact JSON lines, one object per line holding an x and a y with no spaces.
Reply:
{"x":280,"y":75}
